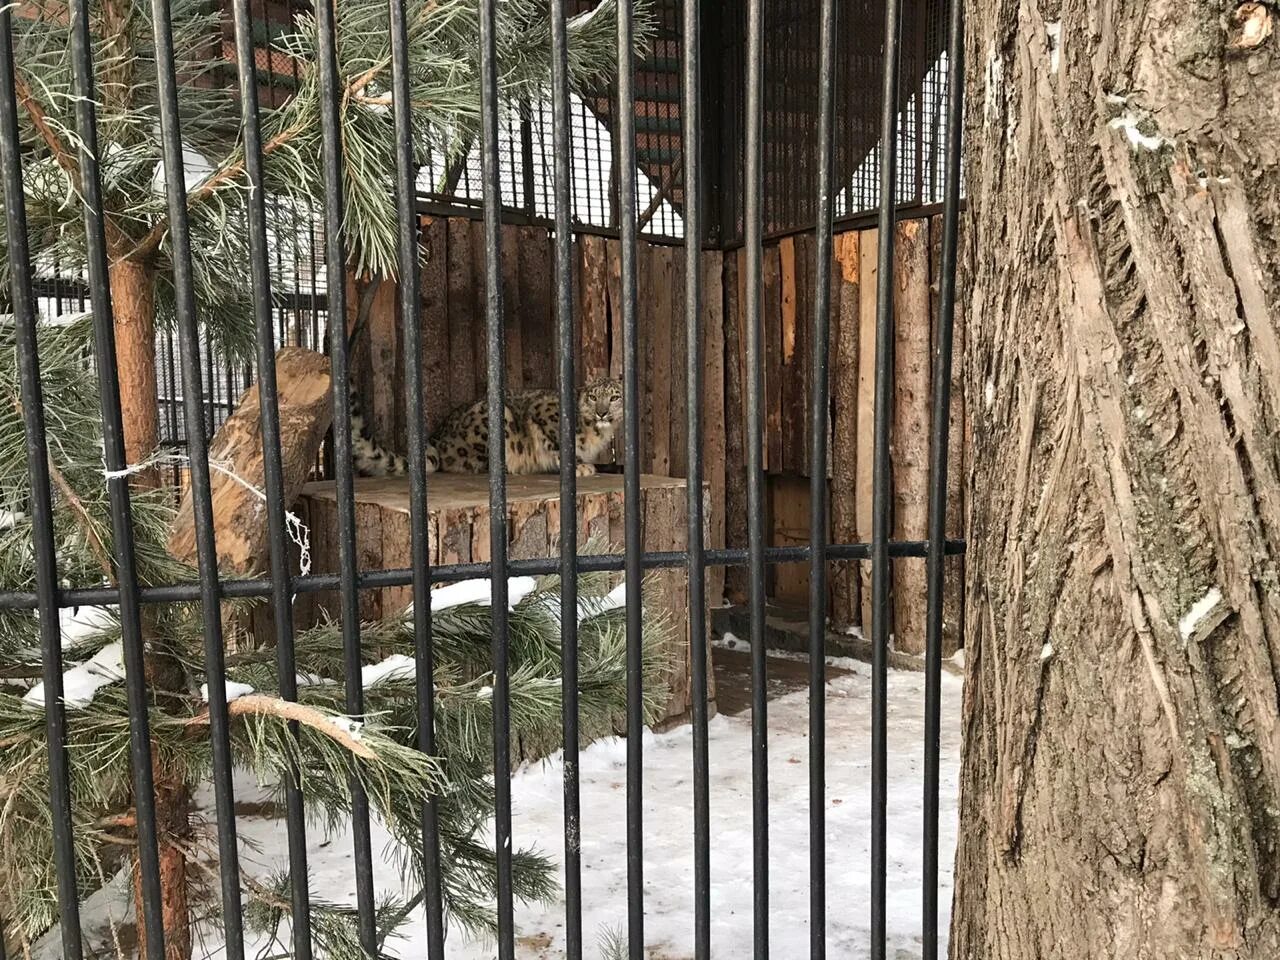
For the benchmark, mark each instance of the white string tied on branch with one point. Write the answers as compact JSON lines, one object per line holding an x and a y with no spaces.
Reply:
{"x":294,"y":527}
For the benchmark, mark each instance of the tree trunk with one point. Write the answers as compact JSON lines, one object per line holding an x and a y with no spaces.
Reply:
{"x":1121,"y":777}
{"x":133,"y":298}
{"x":133,"y":307}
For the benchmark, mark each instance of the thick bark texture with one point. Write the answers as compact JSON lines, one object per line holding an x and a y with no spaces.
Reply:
{"x":1121,"y":779}
{"x":133,"y":301}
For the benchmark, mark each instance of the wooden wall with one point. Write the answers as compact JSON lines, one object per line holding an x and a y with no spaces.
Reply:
{"x":454,"y":372}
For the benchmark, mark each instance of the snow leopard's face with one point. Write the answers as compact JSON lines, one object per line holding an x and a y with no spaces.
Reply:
{"x":600,"y":405}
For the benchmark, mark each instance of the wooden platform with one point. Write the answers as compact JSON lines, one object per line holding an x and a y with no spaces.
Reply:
{"x":458,"y":532}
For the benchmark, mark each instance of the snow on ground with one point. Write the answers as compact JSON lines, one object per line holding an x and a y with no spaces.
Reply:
{"x":668,"y":863}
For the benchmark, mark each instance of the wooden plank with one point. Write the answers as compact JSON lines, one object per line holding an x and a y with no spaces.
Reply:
{"x":435,"y":320}
{"x":714,"y":426}
{"x":368,"y":556}
{"x":397,"y":553}
{"x":846,"y":606}
{"x":953,"y":574}
{"x":805,"y":275}
{"x":479,"y":304}
{"x":911,"y":425}
{"x":789,"y":527}
{"x":771,"y":319}
{"x":868,"y":251}
{"x":735,"y":500}
{"x":462,"y":315}
{"x":678,"y":463}
{"x":537,"y":309}
{"x":514,"y":310}
{"x":658,"y":350}
{"x":792,"y":372}
{"x":613,"y":252}
{"x":593,"y":299}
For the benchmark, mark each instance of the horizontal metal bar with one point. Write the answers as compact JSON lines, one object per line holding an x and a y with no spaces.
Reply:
{"x":403,"y":576}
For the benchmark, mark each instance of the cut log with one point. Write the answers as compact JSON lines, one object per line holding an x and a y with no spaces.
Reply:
{"x":458,"y":532}
{"x":235,"y":455}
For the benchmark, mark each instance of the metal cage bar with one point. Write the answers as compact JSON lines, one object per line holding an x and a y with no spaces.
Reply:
{"x":561,"y":133}
{"x":818,"y":415}
{"x":202,"y":495}
{"x":46,"y":564}
{"x":118,"y":472}
{"x":938,"y":470}
{"x":411,"y":323}
{"x":754,"y":251}
{"x":691,"y":93}
{"x":882,"y":479}
{"x":273,"y":477}
{"x":626,"y":148}
{"x":327,"y":12}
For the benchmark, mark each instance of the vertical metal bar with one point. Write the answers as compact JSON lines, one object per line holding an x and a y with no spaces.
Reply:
{"x":753,"y":251}
{"x":626,"y":152}
{"x":935,"y":563}
{"x":411,"y":317}
{"x":344,"y":487}
{"x":691,"y":109}
{"x":560,"y":132}
{"x":113,"y":443}
{"x":497,"y":471}
{"x":201,"y":493}
{"x":273,"y":480}
{"x":818,"y":533}
{"x":46,"y":569}
{"x":529,"y":175}
{"x":881,"y":477}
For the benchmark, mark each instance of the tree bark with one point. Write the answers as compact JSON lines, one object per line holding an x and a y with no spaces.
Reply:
{"x":133,"y":298}
{"x":1121,"y":778}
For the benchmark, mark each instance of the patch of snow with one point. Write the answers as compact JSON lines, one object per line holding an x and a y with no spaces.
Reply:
{"x":348,"y":726}
{"x":80,"y":623}
{"x":234,"y":691}
{"x":81,"y":683}
{"x":395,"y":667}
{"x":1046,"y":652}
{"x":537,"y":791}
{"x":1137,"y":139}
{"x":989,"y":393}
{"x":476,"y":591}
{"x":1199,"y":610}
{"x":958,"y":658}
{"x":11,"y":518}
{"x":484,"y":693}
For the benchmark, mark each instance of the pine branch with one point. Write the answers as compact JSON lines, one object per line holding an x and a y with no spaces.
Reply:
{"x":39,"y":119}
{"x":83,"y":518}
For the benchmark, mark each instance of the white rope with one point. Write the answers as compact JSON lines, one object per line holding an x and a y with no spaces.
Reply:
{"x":294,"y":527}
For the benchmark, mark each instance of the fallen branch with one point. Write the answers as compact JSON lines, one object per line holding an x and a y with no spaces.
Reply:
{"x":263,"y":706}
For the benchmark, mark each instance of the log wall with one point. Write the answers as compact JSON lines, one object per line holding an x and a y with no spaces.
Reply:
{"x":454,"y":364}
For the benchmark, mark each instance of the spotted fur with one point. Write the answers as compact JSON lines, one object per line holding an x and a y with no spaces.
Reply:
{"x":532,"y":434}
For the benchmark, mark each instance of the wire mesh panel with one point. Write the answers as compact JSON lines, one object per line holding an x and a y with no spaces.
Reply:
{"x":92,"y":509}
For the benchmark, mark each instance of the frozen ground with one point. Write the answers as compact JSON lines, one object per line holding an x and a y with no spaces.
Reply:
{"x":668,"y":832}
{"x":668,"y":785}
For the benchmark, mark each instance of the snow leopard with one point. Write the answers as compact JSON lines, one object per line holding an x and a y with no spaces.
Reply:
{"x":532,"y":428}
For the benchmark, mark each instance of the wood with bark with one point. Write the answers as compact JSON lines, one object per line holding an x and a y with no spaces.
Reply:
{"x":909,"y":449}
{"x":133,"y":307}
{"x":459,"y":533}
{"x":239,"y":513}
{"x":846,"y":598}
{"x":1120,"y":786}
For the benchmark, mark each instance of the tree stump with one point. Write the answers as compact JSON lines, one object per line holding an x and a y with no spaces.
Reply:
{"x":458,"y":532}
